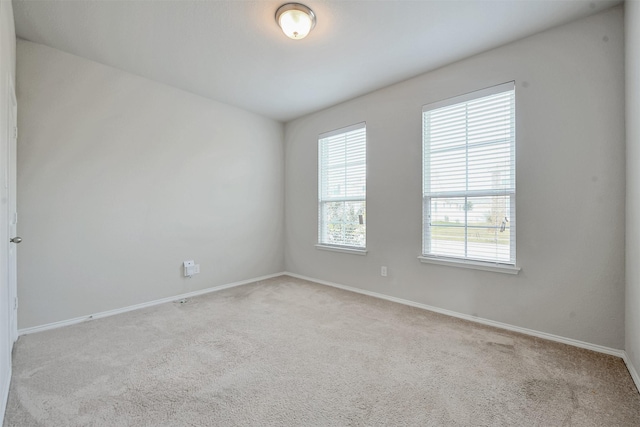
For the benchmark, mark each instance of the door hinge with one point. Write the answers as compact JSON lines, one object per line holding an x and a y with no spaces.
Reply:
{"x":15,"y":303}
{"x":15,"y":132}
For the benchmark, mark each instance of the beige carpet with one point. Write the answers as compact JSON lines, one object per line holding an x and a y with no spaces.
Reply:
{"x":286,"y":352}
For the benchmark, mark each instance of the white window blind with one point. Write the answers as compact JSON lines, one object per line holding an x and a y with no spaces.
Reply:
{"x":469,"y":186}
{"x":342,"y":187}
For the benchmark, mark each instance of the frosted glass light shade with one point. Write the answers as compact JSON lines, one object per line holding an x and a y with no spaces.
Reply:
{"x":296,"y":20}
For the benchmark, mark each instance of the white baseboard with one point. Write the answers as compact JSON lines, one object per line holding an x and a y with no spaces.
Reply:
{"x":632,"y":370}
{"x":108,"y":313}
{"x":544,"y":335}
{"x":5,"y":393}
{"x":569,"y":341}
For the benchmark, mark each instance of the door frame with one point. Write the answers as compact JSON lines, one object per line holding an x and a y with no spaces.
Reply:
{"x":12,"y":211}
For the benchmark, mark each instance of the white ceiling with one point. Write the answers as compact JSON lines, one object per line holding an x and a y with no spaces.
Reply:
{"x":233,"y":51}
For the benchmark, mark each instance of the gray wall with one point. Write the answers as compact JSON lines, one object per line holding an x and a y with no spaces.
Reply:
{"x":570,"y":178}
{"x":632,"y":323}
{"x":122,"y":179}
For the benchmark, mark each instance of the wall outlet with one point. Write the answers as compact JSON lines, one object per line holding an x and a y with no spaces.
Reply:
{"x":383,"y":271}
{"x":190,"y":268}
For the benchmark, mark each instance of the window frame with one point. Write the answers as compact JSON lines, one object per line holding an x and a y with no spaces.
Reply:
{"x":427,"y":255}
{"x":322,"y":242}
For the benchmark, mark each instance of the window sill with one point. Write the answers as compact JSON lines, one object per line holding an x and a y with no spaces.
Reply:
{"x":475,"y":265}
{"x":352,"y":251}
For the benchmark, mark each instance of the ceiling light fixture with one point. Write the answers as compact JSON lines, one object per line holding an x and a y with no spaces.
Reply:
{"x":296,"y":20}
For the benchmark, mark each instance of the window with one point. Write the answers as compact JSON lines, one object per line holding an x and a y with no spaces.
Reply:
{"x":342,"y":187}
{"x":469,"y":188}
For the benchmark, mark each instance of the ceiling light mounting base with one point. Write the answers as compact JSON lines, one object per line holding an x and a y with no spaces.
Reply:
{"x":296,"y":20}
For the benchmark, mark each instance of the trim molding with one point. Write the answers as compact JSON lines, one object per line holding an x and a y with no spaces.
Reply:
{"x":475,"y":265}
{"x":5,"y":392}
{"x":500,"y":325}
{"x":108,"y":313}
{"x":632,"y":370}
{"x":342,"y":249}
{"x":556,"y":338}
